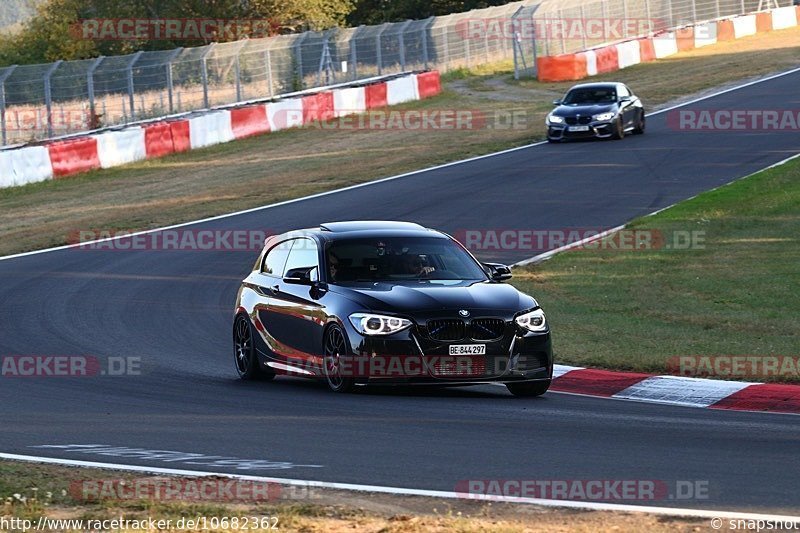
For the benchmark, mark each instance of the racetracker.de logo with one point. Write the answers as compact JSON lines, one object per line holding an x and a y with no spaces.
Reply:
{"x":562,"y":28}
{"x":170,"y":240}
{"x":734,"y":120}
{"x":606,"y":490}
{"x":68,"y":366}
{"x":200,"y":489}
{"x":186,"y":29}
{"x":734,"y":366}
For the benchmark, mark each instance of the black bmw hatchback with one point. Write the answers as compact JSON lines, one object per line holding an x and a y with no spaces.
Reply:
{"x":596,"y":110}
{"x":357,"y":303}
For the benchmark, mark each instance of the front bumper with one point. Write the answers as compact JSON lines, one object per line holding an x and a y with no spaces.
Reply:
{"x":596,"y":130}
{"x":410,"y":357}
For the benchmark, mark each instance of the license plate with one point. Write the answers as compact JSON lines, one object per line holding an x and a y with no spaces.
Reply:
{"x":579,"y":128}
{"x":468,"y":349}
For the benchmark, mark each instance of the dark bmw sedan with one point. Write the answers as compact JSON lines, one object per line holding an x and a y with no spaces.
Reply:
{"x":358,"y":303}
{"x":596,"y":110}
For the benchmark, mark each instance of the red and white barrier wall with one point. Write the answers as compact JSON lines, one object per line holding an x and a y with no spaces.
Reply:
{"x":58,"y":159}
{"x":570,"y":67}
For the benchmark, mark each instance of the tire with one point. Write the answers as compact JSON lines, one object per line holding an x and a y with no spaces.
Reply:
{"x":640,"y":126}
{"x":244,"y":351}
{"x":619,"y":130}
{"x":529,"y":389}
{"x":334,"y":347}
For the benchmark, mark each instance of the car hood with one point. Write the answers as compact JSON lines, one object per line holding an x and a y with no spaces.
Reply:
{"x":425,"y":299}
{"x":583,"y":110}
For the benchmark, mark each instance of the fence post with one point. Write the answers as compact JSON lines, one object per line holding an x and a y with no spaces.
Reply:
{"x":90,"y":88}
{"x":48,"y":96}
{"x":3,"y":79}
{"x":625,"y":34}
{"x":298,"y":57}
{"x":268,"y":62}
{"x":648,"y":15}
{"x":170,"y":87}
{"x":237,"y":72}
{"x":424,"y":31}
{"x":354,"y":53}
{"x":402,"y":44}
{"x":694,"y":10}
{"x":446,"y":48}
{"x":583,"y":27}
{"x":131,"y":99}
{"x":743,"y":8}
{"x":378,"y":54}
{"x":204,"y":62}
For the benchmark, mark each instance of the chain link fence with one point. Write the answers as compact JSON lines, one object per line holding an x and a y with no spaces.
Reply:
{"x":556,"y":27}
{"x":66,"y":97}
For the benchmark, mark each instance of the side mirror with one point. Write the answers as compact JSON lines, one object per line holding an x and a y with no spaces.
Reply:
{"x":302,"y":276}
{"x":556,"y":102}
{"x":625,"y":99}
{"x":498,"y":271}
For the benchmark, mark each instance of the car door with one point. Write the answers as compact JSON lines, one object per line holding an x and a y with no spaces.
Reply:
{"x":265,"y":282}
{"x":627,"y":109}
{"x":295,"y":310}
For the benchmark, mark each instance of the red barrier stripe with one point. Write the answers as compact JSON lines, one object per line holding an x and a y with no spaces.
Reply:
{"x":647,"y":50}
{"x":596,"y":382}
{"x":376,"y":95}
{"x":181,"y":140}
{"x":158,"y":139}
{"x":565,"y":67}
{"x":249,"y":121}
{"x":429,"y":84}
{"x":764,"y":21}
{"x":318,"y":107}
{"x":685,"y":38}
{"x":725,"y":30}
{"x":773,"y":397}
{"x":73,"y":157}
{"x":607,"y":59}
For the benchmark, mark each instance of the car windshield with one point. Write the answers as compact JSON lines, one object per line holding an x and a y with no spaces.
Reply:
{"x":400,"y":259}
{"x":602,"y":95}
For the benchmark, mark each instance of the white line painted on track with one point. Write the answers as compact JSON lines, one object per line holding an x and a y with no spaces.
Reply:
{"x":387,"y":179}
{"x":399,"y":491}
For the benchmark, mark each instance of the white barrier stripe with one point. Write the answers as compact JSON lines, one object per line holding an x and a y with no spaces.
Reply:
{"x":665,"y":45}
{"x":744,"y":26}
{"x":674,"y":390}
{"x":285,"y":114}
{"x":115,"y":148}
{"x":31,"y":164}
{"x":784,"y":17}
{"x":400,"y":90}
{"x":705,"y":34}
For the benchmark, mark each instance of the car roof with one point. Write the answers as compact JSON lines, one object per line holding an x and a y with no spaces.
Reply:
{"x":596,"y":85}
{"x":353,"y":229}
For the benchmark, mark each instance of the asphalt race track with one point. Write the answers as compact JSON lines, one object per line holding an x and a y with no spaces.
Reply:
{"x":174,"y":308}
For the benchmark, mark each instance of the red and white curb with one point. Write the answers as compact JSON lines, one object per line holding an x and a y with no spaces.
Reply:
{"x":676,"y":390}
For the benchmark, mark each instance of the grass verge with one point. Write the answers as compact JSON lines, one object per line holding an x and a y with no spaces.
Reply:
{"x":732,"y":293}
{"x":30,"y":491}
{"x":294,"y":163}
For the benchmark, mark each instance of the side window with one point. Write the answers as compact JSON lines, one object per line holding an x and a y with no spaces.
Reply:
{"x":276,"y":259}
{"x":304,"y":254}
{"x":622,"y":91}
{"x":629,"y":90}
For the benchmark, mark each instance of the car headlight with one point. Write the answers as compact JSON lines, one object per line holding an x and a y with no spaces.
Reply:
{"x":555,"y":119}
{"x":532,"y":321}
{"x":604,"y":116}
{"x":369,"y":324}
